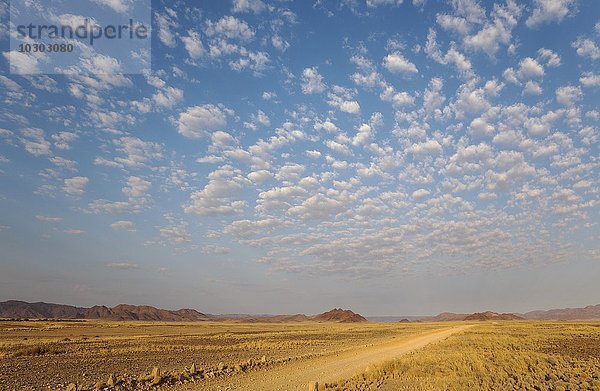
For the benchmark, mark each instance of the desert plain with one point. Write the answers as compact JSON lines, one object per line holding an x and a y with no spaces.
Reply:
{"x":130,"y":355}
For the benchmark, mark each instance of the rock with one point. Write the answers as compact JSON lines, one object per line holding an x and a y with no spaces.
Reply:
{"x":155,"y":372}
{"x":193,"y":369}
{"x":263,"y":359}
{"x":156,"y":380}
{"x":100,"y":385}
{"x":112,"y":380}
{"x":221,"y":366}
{"x":313,"y":386}
{"x":72,"y":387}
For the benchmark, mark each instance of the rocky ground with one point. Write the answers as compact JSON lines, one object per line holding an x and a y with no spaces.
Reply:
{"x":51,"y":355}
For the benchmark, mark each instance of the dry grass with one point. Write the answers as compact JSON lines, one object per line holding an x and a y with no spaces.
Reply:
{"x":36,"y":350}
{"x":93,"y":350}
{"x":502,"y":356}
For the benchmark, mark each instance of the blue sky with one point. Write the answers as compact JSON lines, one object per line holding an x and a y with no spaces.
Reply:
{"x":290,"y":156}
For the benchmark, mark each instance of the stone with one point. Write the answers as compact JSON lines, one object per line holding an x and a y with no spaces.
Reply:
{"x":72,"y":387}
{"x":193,"y":369}
{"x":263,"y":359}
{"x":221,"y":366}
{"x":313,"y":386}
{"x":112,"y":380}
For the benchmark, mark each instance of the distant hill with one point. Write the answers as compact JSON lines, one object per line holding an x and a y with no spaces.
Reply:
{"x":14,"y":309}
{"x":444,"y":317}
{"x":489,"y":315}
{"x":339,"y":315}
{"x":591,"y":312}
{"x":23,"y":310}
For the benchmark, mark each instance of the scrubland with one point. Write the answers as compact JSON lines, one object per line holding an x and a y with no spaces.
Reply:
{"x":36,"y":355}
{"x":495,"y":356}
{"x":511,"y":355}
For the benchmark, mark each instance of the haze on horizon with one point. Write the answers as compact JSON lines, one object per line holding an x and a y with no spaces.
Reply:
{"x":392,"y":157}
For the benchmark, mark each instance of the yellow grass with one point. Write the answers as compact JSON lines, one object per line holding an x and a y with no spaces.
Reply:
{"x":496,"y":356}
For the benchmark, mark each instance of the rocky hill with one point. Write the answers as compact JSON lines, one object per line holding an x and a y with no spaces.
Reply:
{"x":23,"y":310}
{"x":339,"y":315}
{"x":14,"y":309}
{"x":591,"y":312}
{"x":444,"y":317}
{"x":489,"y":315}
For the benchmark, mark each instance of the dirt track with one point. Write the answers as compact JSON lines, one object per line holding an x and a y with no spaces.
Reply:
{"x":297,"y":375}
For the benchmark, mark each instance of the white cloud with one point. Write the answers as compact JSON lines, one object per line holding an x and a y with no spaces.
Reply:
{"x":124,"y":224}
{"x":529,"y":68}
{"x":199,"y":121}
{"x":22,"y":63}
{"x":216,"y":197}
{"x":168,"y":97}
{"x":547,"y":11}
{"x":136,"y":187}
{"x":532,"y":88}
{"x":479,"y":127}
{"x":396,"y":63}
{"x":120,"y":6}
{"x":568,"y":95}
{"x":586,"y":48}
{"x":420,"y":194}
{"x":62,"y":140}
{"x":589,"y":79}
{"x":137,"y":152}
{"x":312,"y":81}
{"x":49,"y":219}
{"x":255,"y":6}
{"x":122,"y":265}
{"x":377,"y":3}
{"x":551,"y":58}
{"x":230,"y":27}
{"x":317,"y":207}
{"x":34,"y":142}
{"x":193,"y":45}
{"x":75,"y":185}
{"x":427,"y":148}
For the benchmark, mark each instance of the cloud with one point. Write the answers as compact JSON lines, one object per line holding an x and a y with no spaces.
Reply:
{"x":229,"y":27}
{"x":420,"y":194}
{"x":396,"y":63}
{"x":377,"y":3}
{"x":213,"y":249}
{"x":568,"y":95}
{"x":124,"y":224}
{"x":255,"y":6}
{"x":312,"y":81}
{"x":165,"y":23}
{"x":49,"y":219}
{"x":547,"y":11}
{"x":317,"y":207}
{"x":122,"y":266}
{"x":73,"y":231}
{"x":137,"y":152}
{"x":22,"y":63}
{"x":589,"y":79}
{"x":199,"y":121}
{"x":216,"y":196}
{"x":532,"y":88}
{"x":63,"y":140}
{"x":75,"y":185}
{"x":120,"y":6}
{"x":136,"y":187}
{"x":529,"y":68}
{"x":586,"y":48}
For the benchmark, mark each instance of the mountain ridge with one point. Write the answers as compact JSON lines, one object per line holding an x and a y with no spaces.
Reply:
{"x":16,"y":309}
